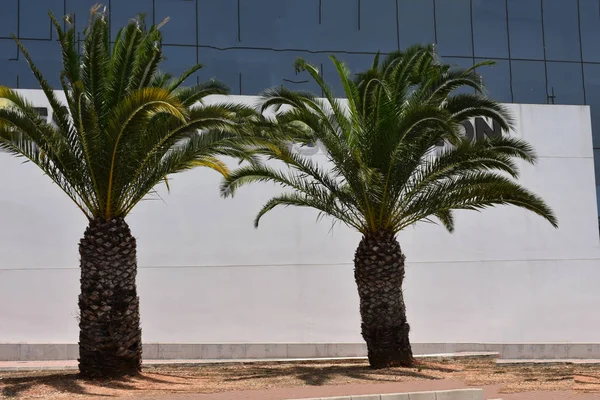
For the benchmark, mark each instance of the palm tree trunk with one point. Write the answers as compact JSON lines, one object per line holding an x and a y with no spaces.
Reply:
{"x":110,"y":338}
{"x":379,"y":272}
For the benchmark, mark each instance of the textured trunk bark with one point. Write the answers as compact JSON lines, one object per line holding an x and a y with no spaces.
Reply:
{"x":379,"y":272}
{"x":110,"y":338}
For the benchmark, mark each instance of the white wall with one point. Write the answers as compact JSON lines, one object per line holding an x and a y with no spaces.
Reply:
{"x":206,"y":275}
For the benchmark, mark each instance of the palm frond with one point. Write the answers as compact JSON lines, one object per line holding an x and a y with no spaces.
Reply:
{"x":385,"y":169}
{"x":125,"y":126}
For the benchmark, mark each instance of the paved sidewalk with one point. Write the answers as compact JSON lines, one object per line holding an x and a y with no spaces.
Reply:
{"x":491,"y":392}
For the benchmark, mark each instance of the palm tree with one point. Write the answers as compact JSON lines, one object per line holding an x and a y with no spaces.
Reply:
{"x":386,"y":170}
{"x":124,"y":128}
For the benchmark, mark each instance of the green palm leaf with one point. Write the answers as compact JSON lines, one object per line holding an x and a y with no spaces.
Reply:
{"x":386,"y":170}
{"x":125,"y":126}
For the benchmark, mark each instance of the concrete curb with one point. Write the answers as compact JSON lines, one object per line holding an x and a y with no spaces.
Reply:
{"x":577,"y":361}
{"x":460,"y":394}
{"x":167,"y":351}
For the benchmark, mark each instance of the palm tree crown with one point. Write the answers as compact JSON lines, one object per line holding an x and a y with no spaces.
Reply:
{"x":125,"y":126}
{"x":388,"y":170}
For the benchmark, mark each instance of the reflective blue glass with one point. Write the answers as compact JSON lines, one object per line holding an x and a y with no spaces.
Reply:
{"x":453,"y":24}
{"x":357,"y":26}
{"x":218,"y":23}
{"x":8,"y":50}
{"x":9,"y":69}
{"x":234,"y":41}
{"x":280,"y":24}
{"x":178,"y":59}
{"x":462,"y":63}
{"x":490,"y":33}
{"x":251,"y":71}
{"x":458,"y":62}
{"x":525,"y":28}
{"x":529,"y":82}
{"x":589,"y":14}
{"x":597,"y":173}
{"x":416,"y":24}
{"x":591,"y":74}
{"x":339,"y":19}
{"x":565,"y":83}
{"x":377,"y":27}
{"x":355,"y":62}
{"x":496,"y":79}
{"x":222,"y":65}
{"x":47,"y":56}
{"x":181,"y":27}
{"x":597,"y":167}
{"x":35,"y":22}
{"x":8,"y":18}
{"x":561,"y":30}
{"x":123,"y":11}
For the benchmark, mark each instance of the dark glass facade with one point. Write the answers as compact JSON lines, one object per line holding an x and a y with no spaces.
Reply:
{"x":546,"y":51}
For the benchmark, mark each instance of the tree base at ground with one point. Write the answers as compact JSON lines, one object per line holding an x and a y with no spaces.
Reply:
{"x":110,"y":339}
{"x":379,"y":273}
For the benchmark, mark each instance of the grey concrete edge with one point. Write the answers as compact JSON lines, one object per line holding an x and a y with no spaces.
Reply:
{"x":227,"y":351}
{"x":459,"y":394}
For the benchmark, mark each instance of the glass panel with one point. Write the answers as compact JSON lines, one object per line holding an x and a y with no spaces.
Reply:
{"x":35,"y":22}
{"x":565,"y":84}
{"x":249,"y":72}
{"x":46,"y":56}
{"x":561,"y":30}
{"x":589,"y":12}
{"x":453,"y":23}
{"x":525,"y":27}
{"x":298,"y":80}
{"x":597,"y":173}
{"x":179,"y":59}
{"x":355,"y":25}
{"x":356,"y":63}
{"x":529,"y":82}
{"x":280,"y":24}
{"x":377,"y":28}
{"x":591,"y":73}
{"x":496,"y":79}
{"x":463,"y":63}
{"x":181,"y":28}
{"x":458,"y":62}
{"x":8,"y":18}
{"x":597,"y":166}
{"x":489,"y":28}
{"x":218,"y":23}
{"x":415,"y":22}
{"x":223,"y":65}
{"x":263,"y":69}
{"x":10,"y":71}
{"x":8,"y":50}
{"x":123,"y":11}
{"x":339,"y":19}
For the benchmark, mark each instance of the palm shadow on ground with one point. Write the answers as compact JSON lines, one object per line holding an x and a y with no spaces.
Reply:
{"x":316,"y":375}
{"x":14,"y":387}
{"x":69,"y":382}
{"x":211,"y":378}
